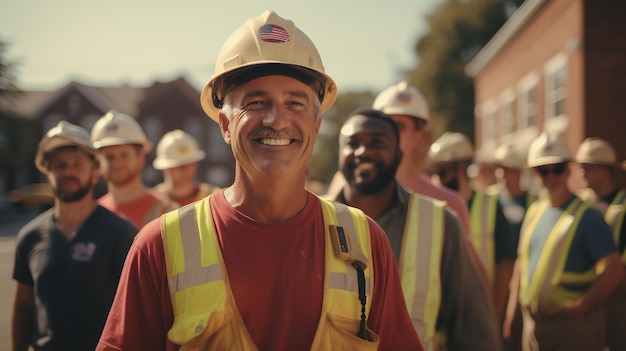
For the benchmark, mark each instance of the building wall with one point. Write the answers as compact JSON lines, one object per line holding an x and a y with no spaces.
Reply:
{"x":605,"y":74}
{"x":557,"y":29}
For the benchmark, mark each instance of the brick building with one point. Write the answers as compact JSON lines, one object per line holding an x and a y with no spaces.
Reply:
{"x":555,"y":61}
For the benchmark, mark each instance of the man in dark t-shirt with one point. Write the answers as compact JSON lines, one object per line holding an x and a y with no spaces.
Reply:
{"x":69,"y":259}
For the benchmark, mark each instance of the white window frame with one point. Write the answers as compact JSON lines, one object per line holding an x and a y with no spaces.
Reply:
{"x":528,"y":112}
{"x":555,"y":95}
{"x":507,"y":112}
{"x":487,"y":115}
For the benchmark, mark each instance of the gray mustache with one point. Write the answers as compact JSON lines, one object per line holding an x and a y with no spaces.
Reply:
{"x":271,"y":133}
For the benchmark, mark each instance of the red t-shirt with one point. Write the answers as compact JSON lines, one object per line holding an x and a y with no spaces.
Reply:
{"x":276,"y":274}
{"x":136,"y":211}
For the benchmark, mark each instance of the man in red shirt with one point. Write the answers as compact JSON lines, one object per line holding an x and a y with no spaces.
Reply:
{"x":123,"y":146}
{"x":263,"y":264}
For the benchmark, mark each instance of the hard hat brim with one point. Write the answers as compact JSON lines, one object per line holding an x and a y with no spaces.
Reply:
{"x":49,"y":145}
{"x":161,"y":164}
{"x":393,"y":110}
{"x":112,"y":141}
{"x":547,"y":160}
{"x":206,"y":98}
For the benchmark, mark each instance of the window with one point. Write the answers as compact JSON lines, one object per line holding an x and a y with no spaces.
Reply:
{"x":555,"y":72}
{"x":527,"y":97}
{"x":508,"y":112}
{"x":488,"y":122}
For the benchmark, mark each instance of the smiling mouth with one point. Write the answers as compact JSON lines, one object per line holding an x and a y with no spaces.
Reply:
{"x":275,"y":142}
{"x":363,"y":169}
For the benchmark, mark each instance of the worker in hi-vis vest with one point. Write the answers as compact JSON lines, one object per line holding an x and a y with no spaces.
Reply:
{"x":567,"y":262}
{"x":450,"y":157}
{"x":598,"y":164}
{"x":516,"y":194}
{"x":447,"y":301}
{"x":263,"y":264}
{"x":408,"y":108}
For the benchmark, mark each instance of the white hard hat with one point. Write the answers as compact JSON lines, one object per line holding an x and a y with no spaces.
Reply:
{"x":116,"y":128}
{"x":177,"y":148}
{"x":451,"y":147}
{"x":402,"y":99}
{"x":62,"y":135}
{"x":548,"y":149}
{"x":597,"y":152}
{"x":508,"y":155}
{"x":279,"y":47}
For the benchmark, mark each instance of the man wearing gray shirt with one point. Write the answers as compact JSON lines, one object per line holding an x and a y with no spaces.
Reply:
{"x":446,"y":299}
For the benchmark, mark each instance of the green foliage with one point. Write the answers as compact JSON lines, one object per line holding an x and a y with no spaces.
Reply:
{"x":8,"y":87}
{"x":17,"y":135}
{"x":458,"y":29}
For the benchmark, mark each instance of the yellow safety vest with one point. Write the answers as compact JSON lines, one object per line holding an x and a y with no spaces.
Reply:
{"x":159,"y":207}
{"x":420,"y":265}
{"x":613,"y":213}
{"x":614,"y":217}
{"x":483,"y":226}
{"x":196,"y":271}
{"x":204,"y":190}
{"x":545,"y":288}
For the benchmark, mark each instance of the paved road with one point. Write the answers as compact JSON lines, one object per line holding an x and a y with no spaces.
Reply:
{"x":10,"y":223}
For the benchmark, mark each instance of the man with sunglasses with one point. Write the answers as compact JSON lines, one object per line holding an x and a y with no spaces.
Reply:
{"x":450,"y":156}
{"x":567,"y":261}
{"x":597,"y":161}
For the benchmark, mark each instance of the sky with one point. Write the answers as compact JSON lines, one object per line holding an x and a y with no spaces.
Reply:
{"x":364,"y":44}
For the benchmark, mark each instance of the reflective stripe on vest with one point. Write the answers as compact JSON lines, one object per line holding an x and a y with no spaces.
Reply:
{"x":483,"y":225}
{"x":549,"y":272}
{"x":196,"y":271}
{"x":531,"y":198}
{"x":614,"y":217}
{"x":158,"y":208}
{"x":420,"y":265}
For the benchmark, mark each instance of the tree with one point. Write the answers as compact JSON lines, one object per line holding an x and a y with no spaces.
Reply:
{"x":8,"y":88}
{"x":458,"y":29}
{"x":16,"y":134}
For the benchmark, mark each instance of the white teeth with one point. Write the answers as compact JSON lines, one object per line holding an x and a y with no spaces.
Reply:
{"x":365,"y":166}
{"x":279,"y":142}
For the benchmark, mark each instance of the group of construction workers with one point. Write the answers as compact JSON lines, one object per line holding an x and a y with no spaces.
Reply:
{"x":416,"y":244}
{"x":567,"y":285}
{"x":546,"y":273}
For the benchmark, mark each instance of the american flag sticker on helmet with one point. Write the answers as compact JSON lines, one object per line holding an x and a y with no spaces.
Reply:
{"x":273,"y":34}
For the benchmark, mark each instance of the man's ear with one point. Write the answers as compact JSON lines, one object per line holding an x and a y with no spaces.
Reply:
{"x":95,"y":176}
{"x":224,"y":124}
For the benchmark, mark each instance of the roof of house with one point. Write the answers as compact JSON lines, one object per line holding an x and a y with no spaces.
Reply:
{"x":123,"y":98}
{"x":509,"y":29}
